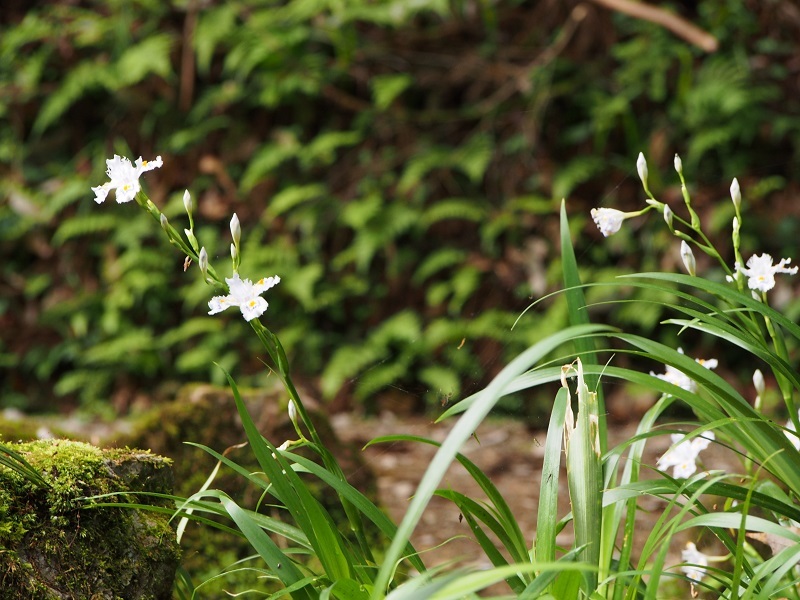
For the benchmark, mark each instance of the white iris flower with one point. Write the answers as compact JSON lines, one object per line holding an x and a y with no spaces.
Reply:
{"x":124,"y":178}
{"x":676,"y":377}
{"x":761,"y":272}
{"x":245,"y":294}
{"x":683,"y":454}
{"x":696,"y":559}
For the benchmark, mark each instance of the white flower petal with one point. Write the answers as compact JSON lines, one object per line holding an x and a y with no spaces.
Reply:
{"x":697,"y":560}
{"x":240,"y":289}
{"x":684,"y":470}
{"x":101,"y":192}
{"x":254,"y":307}
{"x":127,"y":191}
{"x":701,"y":442}
{"x":148,"y":165}
{"x":682,"y":455}
{"x":219,"y":303}
{"x":708,"y":363}
{"x":791,"y":433}
{"x":676,"y":377}
{"x":264,"y":284}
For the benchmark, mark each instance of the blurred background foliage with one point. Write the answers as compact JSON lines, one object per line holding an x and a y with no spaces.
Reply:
{"x":398,"y":163}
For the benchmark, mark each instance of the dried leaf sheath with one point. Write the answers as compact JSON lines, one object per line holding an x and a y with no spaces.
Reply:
{"x":584,"y":472}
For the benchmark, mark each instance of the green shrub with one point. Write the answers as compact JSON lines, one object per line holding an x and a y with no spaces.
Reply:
{"x":404,"y":164}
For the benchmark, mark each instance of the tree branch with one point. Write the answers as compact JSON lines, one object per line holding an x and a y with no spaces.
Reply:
{"x":677,"y":25}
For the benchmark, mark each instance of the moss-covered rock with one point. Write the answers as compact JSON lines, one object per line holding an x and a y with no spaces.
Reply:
{"x":207,"y":415}
{"x":56,"y":544}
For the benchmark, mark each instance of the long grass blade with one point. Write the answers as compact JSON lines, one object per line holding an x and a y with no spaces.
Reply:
{"x":515,"y":544}
{"x":16,"y":462}
{"x":304,"y":508}
{"x":280,"y":564}
{"x":360,"y":502}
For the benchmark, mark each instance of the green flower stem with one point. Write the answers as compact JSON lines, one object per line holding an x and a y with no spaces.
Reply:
{"x":175,"y":238}
{"x":276,"y":352}
{"x":695,"y":224}
{"x":779,"y":344}
{"x":648,"y":192}
{"x":703,"y":244}
{"x":737,"y":253}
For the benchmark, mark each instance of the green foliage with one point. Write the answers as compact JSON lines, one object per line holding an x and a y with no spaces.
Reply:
{"x":398,"y":156}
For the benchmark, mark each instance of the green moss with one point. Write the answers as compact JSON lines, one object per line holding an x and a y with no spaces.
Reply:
{"x":55,"y":538}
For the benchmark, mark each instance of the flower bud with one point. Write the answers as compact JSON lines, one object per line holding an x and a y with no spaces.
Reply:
{"x":641,"y":167}
{"x":187,"y":201}
{"x":668,"y":216}
{"x":678,"y":165}
{"x":202,"y":261}
{"x":758,"y":382}
{"x":236,"y":229}
{"x":192,"y":239}
{"x":688,"y":258}
{"x":659,"y":206}
{"x":608,"y":220}
{"x":164,"y":222}
{"x":736,"y":194}
{"x":292,"y":413}
{"x":234,"y":252}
